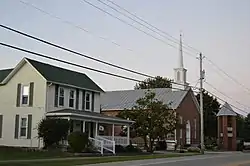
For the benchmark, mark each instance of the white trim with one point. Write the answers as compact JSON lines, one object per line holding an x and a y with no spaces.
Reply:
{"x":74,"y":98}
{"x":90,"y":101}
{"x":35,"y":68}
{"x":87,"y":116}
{"x":72,"y":86}
{"x":20,"y":126}
{"x":59,"y":96}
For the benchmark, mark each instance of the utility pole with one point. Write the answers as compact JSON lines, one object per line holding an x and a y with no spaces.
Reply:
{"x":201,"y":105}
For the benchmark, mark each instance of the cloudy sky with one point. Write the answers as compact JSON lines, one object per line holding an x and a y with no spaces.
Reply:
{"x":218,"y":28}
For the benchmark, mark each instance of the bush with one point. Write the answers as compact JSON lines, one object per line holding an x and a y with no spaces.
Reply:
{"x":161,"y":145}
{"x":193,"y":149}
{"x":78,"y":141}
{"x":132,"y":149}
{"x":119,"y":149}
{"x":52,"y":131}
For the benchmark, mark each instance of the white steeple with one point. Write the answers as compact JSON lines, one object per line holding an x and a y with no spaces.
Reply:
{"x":180,"y":54}
{"x":180,"y":72}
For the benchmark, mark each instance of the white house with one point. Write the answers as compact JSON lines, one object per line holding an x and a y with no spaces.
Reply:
{"x":34,"y":90}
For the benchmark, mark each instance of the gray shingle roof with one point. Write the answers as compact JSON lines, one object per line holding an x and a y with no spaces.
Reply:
{"x":4,"y":73}
{"x":64,"y":76}
{"x":226,"y":110}
{"x":119,"y":100}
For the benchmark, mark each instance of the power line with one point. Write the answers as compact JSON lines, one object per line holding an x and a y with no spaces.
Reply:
{"x":74,"y":64}
{"x":166,"y":35}
{"x":226,"y":101}
{"x":225,"y":73}
{"x":226,"y":95}
{"x":72,"y":24}
{"x":148,"y":34}
{"x":80,"y":54}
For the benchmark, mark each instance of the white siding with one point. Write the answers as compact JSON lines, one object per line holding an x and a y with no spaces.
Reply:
{"x":51,"y":99}
{"x":8,"y":95}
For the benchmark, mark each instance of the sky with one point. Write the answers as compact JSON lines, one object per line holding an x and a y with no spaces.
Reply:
{"x":220,"y":29}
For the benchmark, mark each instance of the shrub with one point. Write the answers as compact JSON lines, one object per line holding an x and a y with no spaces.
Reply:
{"x":132,"y":149}
{"x":119,"y":149}
{"x":161,"y":145}
{"x":78,"y":141}
{"x":193,"y":149}
{"x":52,"y":131}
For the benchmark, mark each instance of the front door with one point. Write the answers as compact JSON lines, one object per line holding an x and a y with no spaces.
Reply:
{"x":89,"y":127}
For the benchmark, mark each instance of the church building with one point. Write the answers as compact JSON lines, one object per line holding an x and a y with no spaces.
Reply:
{"x":180,"y":98}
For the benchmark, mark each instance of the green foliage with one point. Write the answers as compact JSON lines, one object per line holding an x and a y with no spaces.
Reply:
{"x":152,"y":118}
{"x":52,"y":131}
{"x":157,"y":82}
{"x":132,"y":149}
{"x":246,"y":129}
{"x":78,"y":141}
{"x":194,"y":149}
{"x":211,"y":107}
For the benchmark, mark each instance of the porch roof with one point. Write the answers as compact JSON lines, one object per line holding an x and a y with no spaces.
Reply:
{"x":87,"y":115}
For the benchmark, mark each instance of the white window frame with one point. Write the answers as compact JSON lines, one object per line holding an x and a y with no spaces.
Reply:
{"x":59,"y":95}
{"x":181,"y":121}
{"x":26,"y":127}
{"x":74,"y":98}
{"x":90,"y":101}
{"x":22,"y":94}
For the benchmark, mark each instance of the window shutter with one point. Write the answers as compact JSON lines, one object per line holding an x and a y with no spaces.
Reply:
{"x":18,"y":97}
{"x":83,"y":100}
{"x":16,"y":127}
{"x":77,"y":99}
{"x":56,"y":96}
{"x":31,"y":94}
{"x":93,"y":102}
{"x":29,"y":126}
{"x":1,"y":126}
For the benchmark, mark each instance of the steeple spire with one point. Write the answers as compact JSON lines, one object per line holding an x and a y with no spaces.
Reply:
{"x":181,"y":54}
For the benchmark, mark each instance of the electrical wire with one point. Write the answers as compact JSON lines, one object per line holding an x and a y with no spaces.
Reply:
{"x":157,"y":30}
{"x":131,"y":25}
{"x":80,"y":54}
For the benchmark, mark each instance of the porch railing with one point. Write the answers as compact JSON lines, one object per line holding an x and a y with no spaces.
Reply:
{"x":119,"y":140}
{"x":98,"y":144}
{"x":108,"y":145}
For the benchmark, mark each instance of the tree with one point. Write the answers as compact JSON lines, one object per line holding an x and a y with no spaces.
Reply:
{"x":157,"y":82}
{"x":152,"y":118}
{"x":246,"y":129}
{"x":210,"y":107}
{"x":52,"y":131}
{"x":240,"y":120}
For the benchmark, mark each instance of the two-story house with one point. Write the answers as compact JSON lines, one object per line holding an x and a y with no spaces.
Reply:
{"x":34,"y":90}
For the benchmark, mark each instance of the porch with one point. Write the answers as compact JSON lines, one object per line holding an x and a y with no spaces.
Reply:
{"x":96,"y":125}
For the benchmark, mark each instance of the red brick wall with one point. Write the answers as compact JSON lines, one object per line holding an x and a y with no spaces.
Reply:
{"x":188,"y":111}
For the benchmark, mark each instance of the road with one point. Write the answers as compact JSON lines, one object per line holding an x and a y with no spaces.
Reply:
{"x":219,"y":159}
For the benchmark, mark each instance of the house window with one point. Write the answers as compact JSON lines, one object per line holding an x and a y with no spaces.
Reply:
{"x":71,"y":98}
{"x":61,"y":97}
{"x":23,"y":127}
{"x":88,"y":101}
{"x":25,"y":94}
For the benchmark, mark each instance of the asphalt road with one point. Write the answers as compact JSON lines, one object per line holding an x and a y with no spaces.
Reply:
{"x":220,"y":159}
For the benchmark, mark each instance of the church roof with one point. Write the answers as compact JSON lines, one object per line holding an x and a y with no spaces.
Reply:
{"x":226,"y":110}
{"x":126,"y":99}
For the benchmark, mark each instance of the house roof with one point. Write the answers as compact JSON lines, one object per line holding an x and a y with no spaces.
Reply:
{"x":119,"y":100}
{"x":87,"y":114}
{"x":64,"y":76}
{"x":4,"y":73}
{"x":226,"y":110}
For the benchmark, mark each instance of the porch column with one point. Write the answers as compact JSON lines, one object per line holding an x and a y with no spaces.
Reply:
{"x":128,"y":135}
{"x":96,"y":128}
{"x":113,"y":132}
{"x":175,"y":135}
{"x":83,"y":126}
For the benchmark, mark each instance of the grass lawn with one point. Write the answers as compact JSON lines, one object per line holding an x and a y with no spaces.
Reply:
{"x":90,"y":160}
